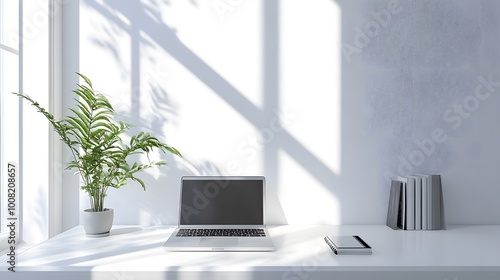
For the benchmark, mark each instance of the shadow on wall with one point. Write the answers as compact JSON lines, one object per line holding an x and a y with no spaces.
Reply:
{"x":144,"y":21}
{"x":373,"y":50}
{"x":395,"y":55}
{"x":377,"y":69}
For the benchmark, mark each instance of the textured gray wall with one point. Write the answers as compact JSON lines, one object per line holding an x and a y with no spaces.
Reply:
{"x":422,"y":84}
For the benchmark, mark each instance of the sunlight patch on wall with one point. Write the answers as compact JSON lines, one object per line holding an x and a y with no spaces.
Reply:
{"x":311,"y":77}
{"x":229,"y":42}
{"x":303,"y":198}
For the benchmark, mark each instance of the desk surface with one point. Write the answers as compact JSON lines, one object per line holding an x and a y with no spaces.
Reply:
{"x":301,"y":254}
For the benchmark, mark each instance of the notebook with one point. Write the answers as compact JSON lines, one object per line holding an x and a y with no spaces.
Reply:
{"x":221,"y":213}
{"x":348,"y":245}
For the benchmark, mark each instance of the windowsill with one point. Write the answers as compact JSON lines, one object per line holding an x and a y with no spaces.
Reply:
{"x":4,"y":247}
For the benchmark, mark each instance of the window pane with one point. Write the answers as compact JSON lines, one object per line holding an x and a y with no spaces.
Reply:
{"x":9,"y":118}
{"x":9,"y":24}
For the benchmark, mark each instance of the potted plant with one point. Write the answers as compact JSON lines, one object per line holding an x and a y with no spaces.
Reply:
{"x":100,"y":155}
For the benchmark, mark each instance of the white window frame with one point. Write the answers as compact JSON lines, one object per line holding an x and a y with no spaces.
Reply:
{"x":50,"y":37}
{"x":56,"y":164}
{"x":9,"y":129}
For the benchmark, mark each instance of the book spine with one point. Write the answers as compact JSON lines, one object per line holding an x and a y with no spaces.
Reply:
{"x":354,"y":252}
{"x":436,"y":208}
{"x":425,"y":205}
{"x":410,"y":204}
{"x":330,"y":244}
{"x":394,"y":208}
{"x":443,"y":220}
{"x":403,"y":220}
{"x":418,"y":203}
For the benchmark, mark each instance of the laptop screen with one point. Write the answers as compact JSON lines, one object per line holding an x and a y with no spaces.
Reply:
{"x":222,"y":201}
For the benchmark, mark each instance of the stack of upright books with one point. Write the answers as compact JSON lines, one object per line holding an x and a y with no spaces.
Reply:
{"x":416,"y":203}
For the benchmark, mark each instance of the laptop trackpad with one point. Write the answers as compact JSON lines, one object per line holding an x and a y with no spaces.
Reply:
{"x":218,"y":242}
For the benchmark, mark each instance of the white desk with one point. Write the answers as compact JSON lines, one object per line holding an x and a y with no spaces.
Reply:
{"x":131,"y":252}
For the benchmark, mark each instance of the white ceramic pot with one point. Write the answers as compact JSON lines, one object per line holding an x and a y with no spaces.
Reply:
{"x":97,"y":224}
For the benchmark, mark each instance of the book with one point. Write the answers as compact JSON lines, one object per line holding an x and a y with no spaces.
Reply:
{"x":425,"y":201}
{"x":348,"y":245}
{"x":409,"y":202}
{"x":418,"y":201}
{"x":403,"y":205}
{"x":394,"y":211}
{"x":436,"y":209}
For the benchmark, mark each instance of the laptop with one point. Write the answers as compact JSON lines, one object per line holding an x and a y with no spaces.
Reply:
{"x":221,"y":213}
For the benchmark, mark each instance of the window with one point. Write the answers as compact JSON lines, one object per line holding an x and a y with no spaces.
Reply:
{"x":10,"y":58}
{"x":30,"y":62}
{"x":30,"y":40}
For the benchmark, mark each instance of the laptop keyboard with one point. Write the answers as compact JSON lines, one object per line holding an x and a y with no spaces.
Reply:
{"x":189,"y":232}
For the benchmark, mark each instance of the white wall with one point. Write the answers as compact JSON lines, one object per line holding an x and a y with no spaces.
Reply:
{"x":325,"y":98}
